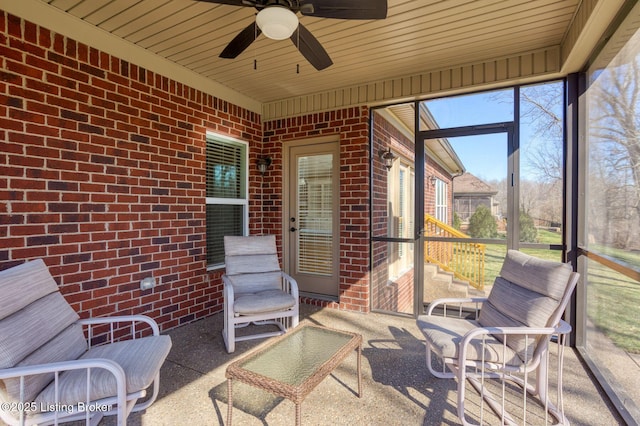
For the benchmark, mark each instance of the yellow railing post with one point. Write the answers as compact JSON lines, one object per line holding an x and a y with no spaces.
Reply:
{"x":464,"y":260}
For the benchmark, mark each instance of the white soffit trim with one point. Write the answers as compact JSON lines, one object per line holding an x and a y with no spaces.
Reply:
{"x":590,"y":23}
{"x":54,"y":19}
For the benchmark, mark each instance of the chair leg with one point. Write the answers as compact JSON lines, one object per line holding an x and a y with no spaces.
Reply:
{"x":229,"y":332}
{"x":95,"y":419}
{"x":541,"y":389}
{"x":439,"y":374}
{"x":539,"y":392}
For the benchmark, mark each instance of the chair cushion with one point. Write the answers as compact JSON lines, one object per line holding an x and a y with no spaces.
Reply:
{"x":540,"y":275}
{"x":33,"y":326}
{"x":444,"y":334}
{"x":24,"y":284}
{"x":262,"y":302}
{"x":250,"y":255}
{"x":66,"y":346}
{"x":246,"y":246}
{"x":526,"y":294}
{"x":140,"y":359}
{"x":253,"y":283}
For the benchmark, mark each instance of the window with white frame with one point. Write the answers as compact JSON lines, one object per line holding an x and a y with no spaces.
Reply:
{"x":441,"y":201}
{"x":227,"y":195}
{"x":400,"y":202}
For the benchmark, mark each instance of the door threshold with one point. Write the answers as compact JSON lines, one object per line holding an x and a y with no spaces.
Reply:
{"x":318,"y":296}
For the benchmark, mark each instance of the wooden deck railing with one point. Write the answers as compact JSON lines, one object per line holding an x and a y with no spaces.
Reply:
{"x":464,"y":259}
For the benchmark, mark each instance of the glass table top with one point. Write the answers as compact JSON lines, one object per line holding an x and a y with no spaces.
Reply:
{"x":294,"y":359}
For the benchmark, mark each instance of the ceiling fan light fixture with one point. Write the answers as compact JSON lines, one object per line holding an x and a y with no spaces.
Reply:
{"x":277,"y":22}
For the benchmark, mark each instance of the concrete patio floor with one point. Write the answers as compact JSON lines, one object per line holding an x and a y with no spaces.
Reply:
{"x":397,"y":388}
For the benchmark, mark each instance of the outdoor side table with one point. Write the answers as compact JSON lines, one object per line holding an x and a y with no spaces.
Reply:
{"x":292,"y":365}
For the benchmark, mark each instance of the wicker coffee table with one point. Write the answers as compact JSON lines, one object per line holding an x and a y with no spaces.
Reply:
{"x":292,"y":365}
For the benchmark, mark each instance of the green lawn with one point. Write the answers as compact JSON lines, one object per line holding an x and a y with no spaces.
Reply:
{"x":613,"y":300}
{"x":612,"y":305}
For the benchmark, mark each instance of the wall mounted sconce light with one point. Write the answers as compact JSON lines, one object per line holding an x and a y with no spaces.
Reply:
{"x":432,"y":180}
{"x":263,"y":164}
{"x":387,"y":158}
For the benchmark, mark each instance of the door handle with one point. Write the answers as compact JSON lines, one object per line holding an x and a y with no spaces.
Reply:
{"x":293,"y":229}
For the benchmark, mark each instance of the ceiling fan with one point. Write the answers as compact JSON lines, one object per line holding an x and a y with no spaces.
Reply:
{"x":278,"y":20}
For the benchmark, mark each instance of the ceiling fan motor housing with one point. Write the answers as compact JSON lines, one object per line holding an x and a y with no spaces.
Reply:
{"x":277,"y":22}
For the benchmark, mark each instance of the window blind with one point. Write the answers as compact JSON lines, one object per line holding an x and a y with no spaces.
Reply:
{"x":225,"y":169}
{"x":227,"y":201}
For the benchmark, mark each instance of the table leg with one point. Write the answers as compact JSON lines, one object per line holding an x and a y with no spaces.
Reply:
{"x":360,"y":371}
{"x":229,"y":401}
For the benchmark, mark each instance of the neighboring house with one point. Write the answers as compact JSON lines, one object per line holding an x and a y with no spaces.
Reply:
{"x":469,"y":192}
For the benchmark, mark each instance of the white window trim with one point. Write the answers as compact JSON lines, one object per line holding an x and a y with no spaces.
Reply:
{"x":231,"y":201}
{"x":441,"y":201}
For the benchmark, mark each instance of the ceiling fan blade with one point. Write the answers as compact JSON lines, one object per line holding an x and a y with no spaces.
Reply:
{"x":241,"y":41}
{"x":311,"y":48}
{"x":247,"y":3}
{"x":340,"y":9}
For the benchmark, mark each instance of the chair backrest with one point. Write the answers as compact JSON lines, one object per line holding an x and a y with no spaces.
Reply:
{"x":252,"y":263}
{"x":37,"y":326}
{"x":529,"y":292}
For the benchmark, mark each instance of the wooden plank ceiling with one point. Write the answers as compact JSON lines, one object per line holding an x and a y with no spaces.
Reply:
{"x":417,"y":36}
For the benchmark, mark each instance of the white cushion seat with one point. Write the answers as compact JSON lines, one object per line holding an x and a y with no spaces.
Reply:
{"x":140,"y":359}
{"x":444,"y":334}
{"x":263,"y":301}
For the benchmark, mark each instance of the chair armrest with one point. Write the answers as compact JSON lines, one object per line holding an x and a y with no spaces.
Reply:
{"x":122,"y":318}
{"x":76,"y":364}
{"x":561,"y":328}
{"x":228,"y":289}
{"x":537,"y":331}
{"x":290,"y":285}
{"x":455,"y":301}
{"x":113,"y":320}
{"x":58,"y":367}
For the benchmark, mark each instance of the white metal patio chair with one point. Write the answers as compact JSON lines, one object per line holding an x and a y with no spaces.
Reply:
{"x":49,"y":370}
{"x":507,"y":339}
{"x":256,"y":290}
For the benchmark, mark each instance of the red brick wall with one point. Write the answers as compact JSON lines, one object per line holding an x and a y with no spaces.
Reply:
{"x":397,"y":295}
{"x":102,"y":174}
{"x":351,"y":125}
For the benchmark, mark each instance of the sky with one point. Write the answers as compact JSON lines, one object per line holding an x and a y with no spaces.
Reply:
{"x":484,"y":156}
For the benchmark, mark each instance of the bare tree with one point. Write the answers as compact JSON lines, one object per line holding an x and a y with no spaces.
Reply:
{"x":541,"y":110}
{"x":614,"y":147}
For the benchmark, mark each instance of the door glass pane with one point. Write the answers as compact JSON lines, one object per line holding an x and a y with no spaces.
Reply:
{"x":315,"y":215}
{"x":479,"y":208}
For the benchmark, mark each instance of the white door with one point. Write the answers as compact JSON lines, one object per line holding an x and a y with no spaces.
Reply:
{"x":312,"y":216}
